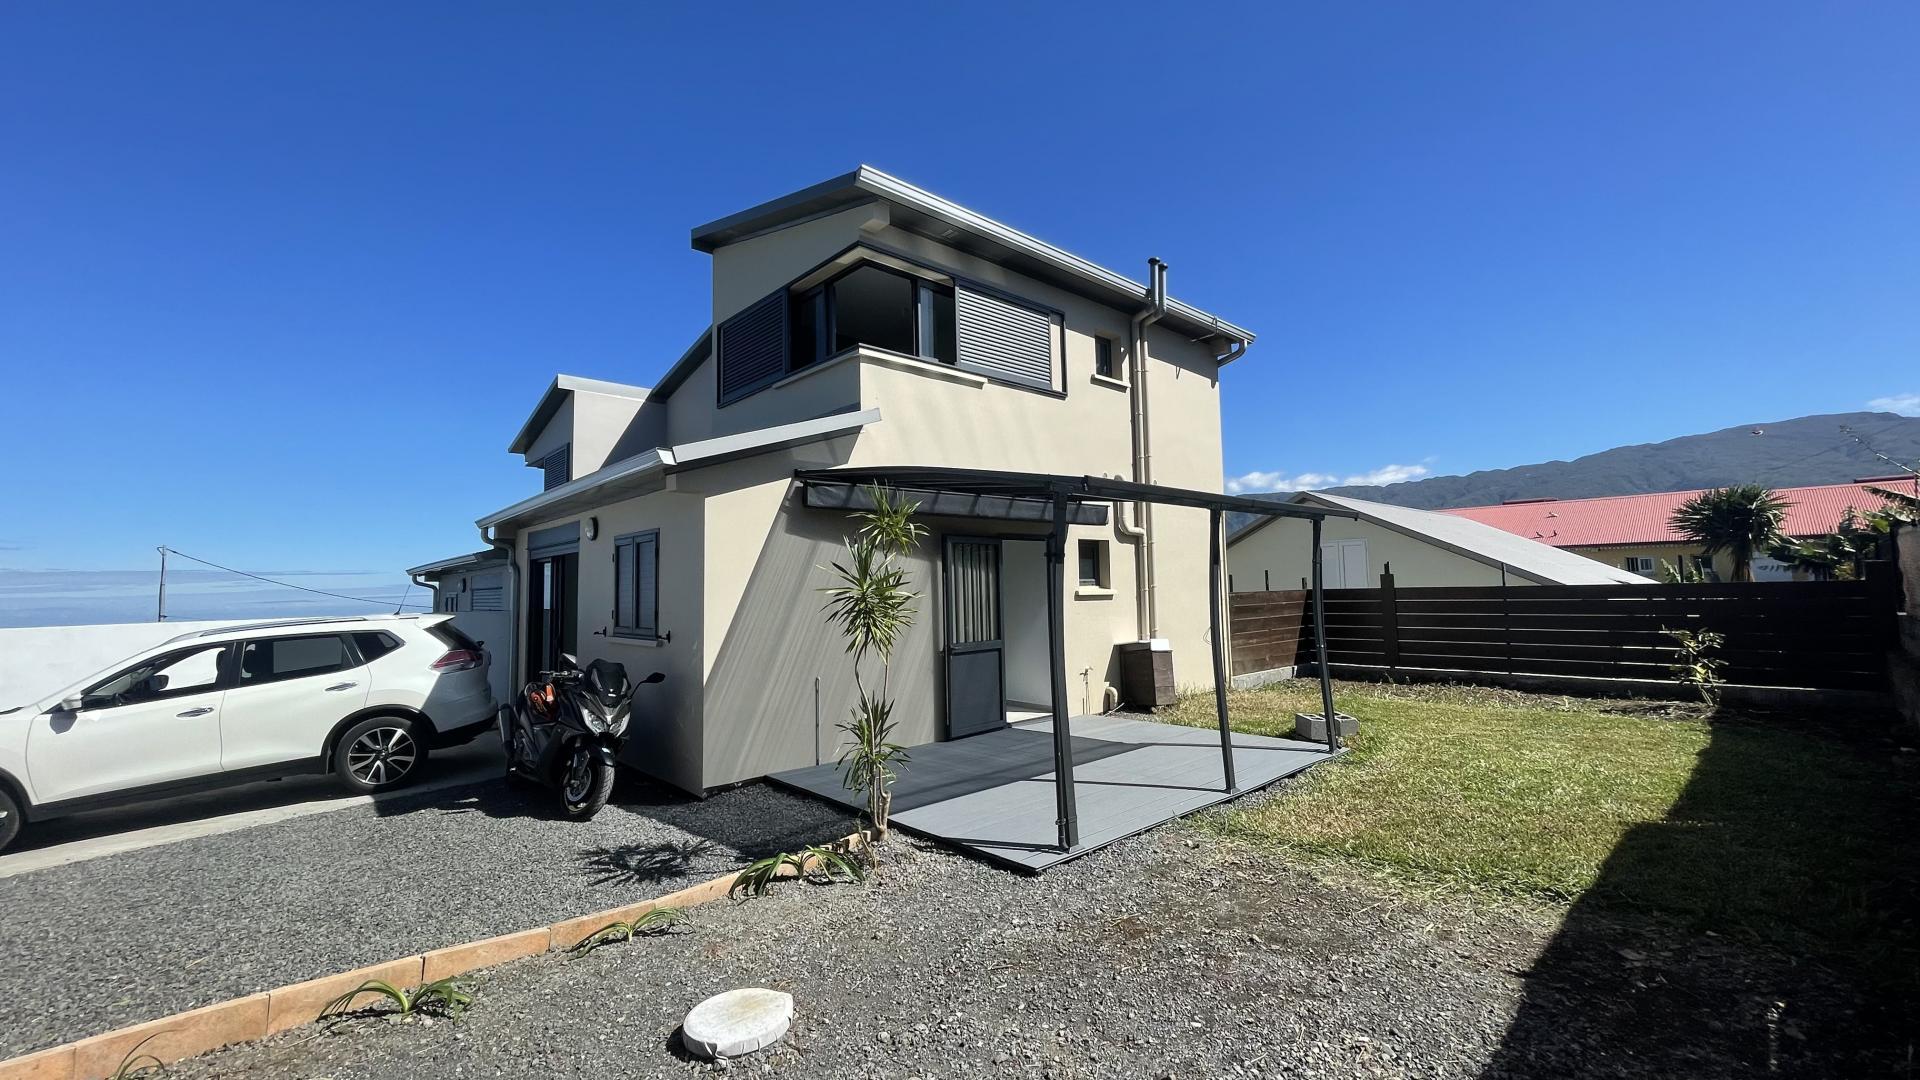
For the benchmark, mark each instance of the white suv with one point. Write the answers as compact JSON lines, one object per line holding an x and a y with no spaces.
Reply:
{"x":363,"y":698}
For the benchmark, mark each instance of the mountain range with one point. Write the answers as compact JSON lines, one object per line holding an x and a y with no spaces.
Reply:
{"x":1783,"y":453}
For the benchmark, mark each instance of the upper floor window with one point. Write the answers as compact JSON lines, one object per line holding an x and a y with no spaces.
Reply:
{"x":854,"y":301}
{"x":873,"y":306}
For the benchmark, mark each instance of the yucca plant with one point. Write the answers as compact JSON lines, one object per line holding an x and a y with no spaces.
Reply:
{"x":873,"y":608}
{"x":445,"y":996}
{"x":820,"y":865}
{"x":1740,"y":520}
{"x":652,"y":922}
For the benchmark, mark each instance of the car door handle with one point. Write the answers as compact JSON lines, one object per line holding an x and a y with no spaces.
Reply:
{"x":201,"y":711}
{"x":343,"y":686}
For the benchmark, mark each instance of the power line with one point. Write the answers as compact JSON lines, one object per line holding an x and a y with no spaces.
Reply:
{"x":287,"y":584}
{"x":1837,"y":446}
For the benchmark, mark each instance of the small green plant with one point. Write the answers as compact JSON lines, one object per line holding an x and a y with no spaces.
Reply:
{"x":820,"y":865}
{"x":1682,"y":574}
{"x":137,"y":1064}
{"x":445,"y":996}
{"x":652,"y":923}
{"x":1697,"y":665}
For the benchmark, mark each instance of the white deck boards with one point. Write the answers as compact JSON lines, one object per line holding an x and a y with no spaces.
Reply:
{"x":993,"y":794}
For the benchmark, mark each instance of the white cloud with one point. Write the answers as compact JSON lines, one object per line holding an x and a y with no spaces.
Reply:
{"x":1280,"y":481}
{"x":1904,"y":404}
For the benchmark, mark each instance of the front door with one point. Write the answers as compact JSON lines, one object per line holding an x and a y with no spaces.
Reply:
{"x":553,"y":624}
{"x":976,"y":650}
{"x":152,"y":723}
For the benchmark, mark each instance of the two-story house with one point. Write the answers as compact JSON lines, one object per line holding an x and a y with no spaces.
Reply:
{"x":865,"y":322}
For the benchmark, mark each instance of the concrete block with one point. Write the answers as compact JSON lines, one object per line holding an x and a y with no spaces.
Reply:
{"x":1314,"y":726}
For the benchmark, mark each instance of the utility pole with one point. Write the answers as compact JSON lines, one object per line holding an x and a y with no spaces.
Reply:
{"x":161,"y":614}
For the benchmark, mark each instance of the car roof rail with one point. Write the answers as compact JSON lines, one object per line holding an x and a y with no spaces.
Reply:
{"x":277,"y":624}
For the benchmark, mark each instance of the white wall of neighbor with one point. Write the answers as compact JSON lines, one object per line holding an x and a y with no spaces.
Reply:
{"x":39,"y":660}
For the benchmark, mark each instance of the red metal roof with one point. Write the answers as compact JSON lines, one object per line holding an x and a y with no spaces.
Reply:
{"x":1642,"y":519}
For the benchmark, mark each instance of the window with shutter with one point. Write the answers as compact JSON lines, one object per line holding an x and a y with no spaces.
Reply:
{"x":1004,"y":340}
{"x":752,"y":348}
{"x":636,"y":585}
{"x":557,"y":467}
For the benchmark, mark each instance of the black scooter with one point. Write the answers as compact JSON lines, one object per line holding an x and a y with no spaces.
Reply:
{"x":567,"y":728}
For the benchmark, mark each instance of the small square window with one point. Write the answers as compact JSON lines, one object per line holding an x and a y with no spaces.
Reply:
{"x":1093,"y":563}
{"x":1103,"y":358}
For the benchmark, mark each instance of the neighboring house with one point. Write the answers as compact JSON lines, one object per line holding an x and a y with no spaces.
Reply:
{"x":864,"y":322}
{"x":1631,"y":531}
{"x":474,"y":589}
{"x":1425,"y":548}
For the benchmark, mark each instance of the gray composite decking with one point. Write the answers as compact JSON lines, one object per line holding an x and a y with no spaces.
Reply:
{"x":993,"y":794}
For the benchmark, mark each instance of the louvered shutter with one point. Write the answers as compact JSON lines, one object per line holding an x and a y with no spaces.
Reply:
{"x":753,"y":348}
{"x":623,"y":587}
{"x":646,"y":558}
{"x":1003,"y":340}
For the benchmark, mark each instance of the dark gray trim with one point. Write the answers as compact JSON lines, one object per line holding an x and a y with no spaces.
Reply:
{"x":558,"y":540}
{"x":821,"y":495}
{"x":206,"y":782}
{"x":697,"y":352}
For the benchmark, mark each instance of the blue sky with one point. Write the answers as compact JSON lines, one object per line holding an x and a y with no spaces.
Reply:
{"x":278,"y":283}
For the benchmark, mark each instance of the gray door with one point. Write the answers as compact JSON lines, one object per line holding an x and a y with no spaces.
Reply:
{"x":976,"y":652}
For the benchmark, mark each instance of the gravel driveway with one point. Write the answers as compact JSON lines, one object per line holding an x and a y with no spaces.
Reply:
{"x":1164,"y":956}
{"x":124,"y":938}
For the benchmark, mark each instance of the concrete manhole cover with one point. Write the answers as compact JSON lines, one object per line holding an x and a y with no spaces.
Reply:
{"x":737,"y":1022}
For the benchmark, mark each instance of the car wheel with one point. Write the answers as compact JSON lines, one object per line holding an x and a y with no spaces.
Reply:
{"x":10,"y":819}
{"x":379,"y":753}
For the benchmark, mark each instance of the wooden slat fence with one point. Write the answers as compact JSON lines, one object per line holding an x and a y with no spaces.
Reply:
{"x":1822,"y":635}
{"x":1266,"y":629}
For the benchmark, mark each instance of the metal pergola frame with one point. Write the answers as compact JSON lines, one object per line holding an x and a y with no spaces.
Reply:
{"x":1062,"y":492}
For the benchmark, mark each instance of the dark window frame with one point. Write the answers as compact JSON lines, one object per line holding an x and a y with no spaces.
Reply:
{"x":349,"y":656}
{"x":1104,"y":356}
{"x":1096,"y":551}
{"x":820,"y":297}
{"x":636,"y":630}
{"x":823,"y":330}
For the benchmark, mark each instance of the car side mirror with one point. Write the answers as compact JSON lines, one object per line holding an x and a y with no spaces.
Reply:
{"x":71,"y":704}
{"x":569,"y":661}
{"x":153,"y":684}
{"x":658,"y":676}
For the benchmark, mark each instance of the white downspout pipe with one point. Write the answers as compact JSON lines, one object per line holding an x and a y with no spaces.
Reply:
{"x":1147,"y":607}
{"x":514,"y":614}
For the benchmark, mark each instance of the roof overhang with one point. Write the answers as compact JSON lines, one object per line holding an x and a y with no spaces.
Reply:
{"x":1047,"y":486}
{"x":645,"y":473}
{"x":459,"y":562}
{"x":557,"y":393}
{"x":919,"y":211}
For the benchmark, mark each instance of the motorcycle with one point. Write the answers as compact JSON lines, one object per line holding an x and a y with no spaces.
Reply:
{"x":566,"y":730}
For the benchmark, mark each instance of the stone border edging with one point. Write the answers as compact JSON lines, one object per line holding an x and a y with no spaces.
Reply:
{"x":255,"y":1016}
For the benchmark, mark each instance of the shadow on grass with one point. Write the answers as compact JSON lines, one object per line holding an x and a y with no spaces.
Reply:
{"x":1765,"y":927}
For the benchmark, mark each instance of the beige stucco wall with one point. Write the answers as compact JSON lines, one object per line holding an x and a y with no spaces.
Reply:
{"x":602,"y":428}
{"x":666,"y":733}
{"x":1281,"y":552}
{"x":1616,"y":556}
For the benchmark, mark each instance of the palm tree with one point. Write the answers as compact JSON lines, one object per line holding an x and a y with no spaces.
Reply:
{"x":1740,"y":520}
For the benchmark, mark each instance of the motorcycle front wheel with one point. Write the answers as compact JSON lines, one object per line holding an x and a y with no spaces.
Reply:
{"x":586,"y":784}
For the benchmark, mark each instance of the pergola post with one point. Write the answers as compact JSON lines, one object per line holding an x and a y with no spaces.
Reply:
{"x":1219,"y":649}
{"x":1068,"y":821}
{"x":1320,"y":640}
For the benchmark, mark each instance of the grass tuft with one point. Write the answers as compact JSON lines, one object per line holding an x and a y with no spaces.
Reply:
{"x":447,"y":997}
{"x":653,"y":922}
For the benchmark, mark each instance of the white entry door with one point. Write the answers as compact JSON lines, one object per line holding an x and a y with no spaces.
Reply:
{"x":1346,"y":564}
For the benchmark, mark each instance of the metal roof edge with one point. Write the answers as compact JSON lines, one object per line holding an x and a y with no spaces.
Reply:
{"x":866,"y":179}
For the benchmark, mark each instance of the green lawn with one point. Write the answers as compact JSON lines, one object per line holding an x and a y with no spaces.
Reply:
{"x":1766,"y":825}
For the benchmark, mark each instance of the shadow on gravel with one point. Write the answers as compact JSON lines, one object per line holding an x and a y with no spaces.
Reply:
{"x":644,"y":864}
{"x":1765,"y":927}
